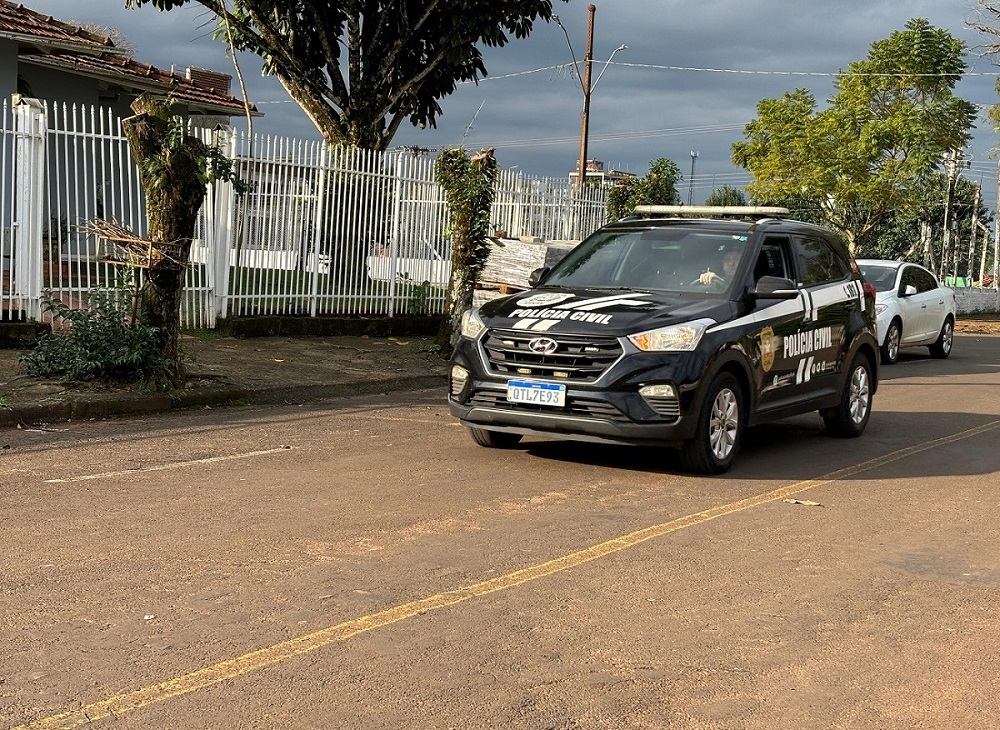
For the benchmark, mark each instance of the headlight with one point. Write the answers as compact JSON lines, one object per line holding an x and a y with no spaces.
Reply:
{"x":676,"y":338}
{"x":880,"y":308}
{"x":472,"y":325}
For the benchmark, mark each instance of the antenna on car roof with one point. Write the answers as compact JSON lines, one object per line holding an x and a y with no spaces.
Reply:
{"x":712,"y":211}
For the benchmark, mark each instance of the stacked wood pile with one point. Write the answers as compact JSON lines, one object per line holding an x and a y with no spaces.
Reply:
{"x":513,"y":259}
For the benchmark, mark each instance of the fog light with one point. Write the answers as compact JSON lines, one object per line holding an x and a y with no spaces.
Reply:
{"x":664,"y":390}
{"x":662,"y":398}
{"x":459,"y":378}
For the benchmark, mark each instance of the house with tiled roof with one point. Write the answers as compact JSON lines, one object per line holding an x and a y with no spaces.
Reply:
{"x":49,"y":59}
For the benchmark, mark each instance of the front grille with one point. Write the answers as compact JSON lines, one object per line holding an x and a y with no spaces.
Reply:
{"x":580,"y":358}
{"x":580,"y":407}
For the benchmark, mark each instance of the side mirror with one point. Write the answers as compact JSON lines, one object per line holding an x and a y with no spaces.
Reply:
{"x":909,"y":290}
{"x":775,"y":287}
{"x":536,"y":276}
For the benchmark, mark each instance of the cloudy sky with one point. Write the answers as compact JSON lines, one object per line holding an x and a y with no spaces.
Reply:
{"x":689,"y":79}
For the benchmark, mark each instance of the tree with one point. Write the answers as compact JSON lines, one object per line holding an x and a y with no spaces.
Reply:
{"x":174,"y":169}
{"x":893,"y":117}
{"x":659,"y":187}
{"x":468,"y":185}
{"x":359,"y":69}
{"x":900,"y":236}
{"x":726,"y":195}
{"x":991,"y":49}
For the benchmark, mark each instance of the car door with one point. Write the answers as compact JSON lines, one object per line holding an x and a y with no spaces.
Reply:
{"x":830,"y":297}
{"x":778,"y":323}
{"x":912,"y":306}
{"x":931,"y":301}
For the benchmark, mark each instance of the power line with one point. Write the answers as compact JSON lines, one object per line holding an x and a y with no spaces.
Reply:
{"x":615,"y":136}
{"x":752,"y":72}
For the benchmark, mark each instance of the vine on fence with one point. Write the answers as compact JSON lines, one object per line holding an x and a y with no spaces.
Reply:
{"x":468,"y":184}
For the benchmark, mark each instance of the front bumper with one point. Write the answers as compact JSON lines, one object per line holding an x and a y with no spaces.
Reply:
{"x":610,"y":409}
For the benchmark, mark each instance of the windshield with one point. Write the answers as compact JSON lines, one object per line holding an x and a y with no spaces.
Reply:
{"x":665,"y":258}
{"x":883,"y":278}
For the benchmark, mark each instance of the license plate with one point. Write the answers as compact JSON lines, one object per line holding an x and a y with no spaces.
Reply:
{"x":542,"y":394}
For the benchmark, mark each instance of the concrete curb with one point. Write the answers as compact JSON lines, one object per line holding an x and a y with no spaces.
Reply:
{"x":95,"y":406}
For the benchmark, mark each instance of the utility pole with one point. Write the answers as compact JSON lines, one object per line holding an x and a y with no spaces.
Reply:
{"x":694,"y":156}
{"x":581,"y":177}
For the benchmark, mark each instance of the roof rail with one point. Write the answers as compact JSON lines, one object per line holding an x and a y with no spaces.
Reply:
{"x":713,"y":211}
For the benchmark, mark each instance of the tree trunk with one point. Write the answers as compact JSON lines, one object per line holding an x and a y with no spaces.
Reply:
{"x":468,"y":185}
{"x":171,"y":169}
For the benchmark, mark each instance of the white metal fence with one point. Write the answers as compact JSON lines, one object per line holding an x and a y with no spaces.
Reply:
{"x":324,"y":231}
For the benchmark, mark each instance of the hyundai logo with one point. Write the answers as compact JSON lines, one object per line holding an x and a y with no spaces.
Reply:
{"x":543,"y":345}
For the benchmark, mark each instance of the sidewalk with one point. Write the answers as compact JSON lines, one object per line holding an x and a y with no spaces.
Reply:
{"x":230,"y":371}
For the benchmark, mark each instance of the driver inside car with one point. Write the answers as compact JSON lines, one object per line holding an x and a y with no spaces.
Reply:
{"x":730,"y":261}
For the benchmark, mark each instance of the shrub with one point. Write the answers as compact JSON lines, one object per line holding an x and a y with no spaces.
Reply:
{"x":99,"y":344}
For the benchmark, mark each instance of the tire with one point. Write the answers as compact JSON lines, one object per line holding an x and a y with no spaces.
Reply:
{"x":719,"y":430}
{"x":494,"y":439}
{"x":942,"y":348}
{"x":890,"y":350}
{"x":849,"y":419}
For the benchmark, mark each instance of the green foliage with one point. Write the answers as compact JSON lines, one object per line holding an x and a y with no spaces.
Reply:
{"x":894,"y":115}
{"x":659,"y":187}
{"x":898,"y":236}
{"x":213,"y":165}
{"x":361,"y":69}
{"x":468,"y":186}
{"x":99,"y":344}
{"x":417,"y":295}
{"x":726,"y":195}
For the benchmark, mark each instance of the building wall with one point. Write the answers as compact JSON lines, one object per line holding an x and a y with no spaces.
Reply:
{"x":60,"y":87}
{"x":8,"y":68}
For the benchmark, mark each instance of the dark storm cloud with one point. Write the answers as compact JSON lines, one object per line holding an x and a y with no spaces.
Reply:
{"x":689,"y":68}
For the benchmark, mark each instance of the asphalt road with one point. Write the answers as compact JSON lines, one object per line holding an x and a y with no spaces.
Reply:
{"x":363,"y":564}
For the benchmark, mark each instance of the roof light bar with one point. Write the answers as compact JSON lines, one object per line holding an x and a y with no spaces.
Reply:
{"x":717,"y":211}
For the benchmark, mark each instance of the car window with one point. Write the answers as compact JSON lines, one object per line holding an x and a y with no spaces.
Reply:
{"x":909,"y":278}
{"x":883,"y":278}
{"x":925,"y":280}
{"x":818,"y":262}
{"x":666,"y":258}
{"x":771,"y":259}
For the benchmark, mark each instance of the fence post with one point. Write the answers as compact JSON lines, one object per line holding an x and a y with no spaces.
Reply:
{"x":319,"y":224}
{"x":397,"y":204}
{"x":217,"y":261}
{"x":30,"y":127}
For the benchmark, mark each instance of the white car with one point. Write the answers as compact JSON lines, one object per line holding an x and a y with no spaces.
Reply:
{"x":913,"y":309}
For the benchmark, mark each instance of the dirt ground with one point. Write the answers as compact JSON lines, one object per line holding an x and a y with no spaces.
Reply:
{"x":271,"y":366}
{"x":982,"y":325}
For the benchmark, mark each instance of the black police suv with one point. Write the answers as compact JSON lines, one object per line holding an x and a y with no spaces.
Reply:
{"x":668,"y":330}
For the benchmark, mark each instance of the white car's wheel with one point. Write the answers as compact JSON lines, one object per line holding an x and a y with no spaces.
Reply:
{"x":890,"y":348}
{"x":942,"y":348}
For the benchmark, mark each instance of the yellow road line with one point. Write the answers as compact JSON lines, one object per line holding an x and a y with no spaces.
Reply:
{"x":164,"y":467}
{"x":271,"y":655}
